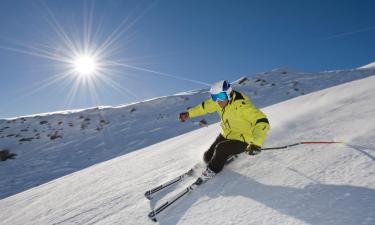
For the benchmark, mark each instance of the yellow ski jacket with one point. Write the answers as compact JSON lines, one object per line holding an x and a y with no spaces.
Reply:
{"x":240,"y":120}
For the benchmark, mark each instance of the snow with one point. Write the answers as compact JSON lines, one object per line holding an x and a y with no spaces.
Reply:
{"x":368,"y":66}
{"x":52,"y":145}
{"x":308,"y":184}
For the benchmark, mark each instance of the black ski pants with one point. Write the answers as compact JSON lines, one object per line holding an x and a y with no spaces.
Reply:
{"x":216,"y":156}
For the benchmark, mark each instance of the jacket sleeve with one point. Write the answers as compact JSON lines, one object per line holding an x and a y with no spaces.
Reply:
{"x":258,"y":122}
{"x":208,"y":106}
{"x":260,"y":132}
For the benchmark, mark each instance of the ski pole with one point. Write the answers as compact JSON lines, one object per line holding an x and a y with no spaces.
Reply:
{"x":302,"y":143}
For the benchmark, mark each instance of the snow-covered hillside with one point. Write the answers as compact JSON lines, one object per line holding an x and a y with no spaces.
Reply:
{"x":307,"y":184}
{"x":52,"y":145}
{"x":368,"y":66}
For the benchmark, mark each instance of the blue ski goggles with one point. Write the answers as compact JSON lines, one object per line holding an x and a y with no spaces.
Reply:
{"x":222,"y":96}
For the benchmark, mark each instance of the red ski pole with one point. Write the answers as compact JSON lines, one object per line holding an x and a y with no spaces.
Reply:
{"x":302,"y":143}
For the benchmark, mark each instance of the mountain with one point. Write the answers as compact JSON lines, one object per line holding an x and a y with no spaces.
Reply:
{"x":52,"y":145}
{"x":368,"y":66}
{"x":307,"y":184}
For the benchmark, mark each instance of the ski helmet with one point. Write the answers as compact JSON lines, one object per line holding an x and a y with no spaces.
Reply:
{"x":219,"y":87}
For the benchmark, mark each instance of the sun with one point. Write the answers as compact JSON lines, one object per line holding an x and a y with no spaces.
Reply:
{"x":88,"y":60}
{"x":85,"y":65}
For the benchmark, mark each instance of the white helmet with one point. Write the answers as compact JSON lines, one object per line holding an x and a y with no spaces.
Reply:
{"x":221,"y":86}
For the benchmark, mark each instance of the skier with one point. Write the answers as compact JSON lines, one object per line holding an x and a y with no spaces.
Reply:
{"x":243,"y":127}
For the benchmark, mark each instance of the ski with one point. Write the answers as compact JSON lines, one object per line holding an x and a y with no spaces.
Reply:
{"x":150,"y":193}
{"x":152,"y":215}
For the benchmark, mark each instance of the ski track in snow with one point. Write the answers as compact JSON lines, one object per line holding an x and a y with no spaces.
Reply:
{"x":307,"y":184}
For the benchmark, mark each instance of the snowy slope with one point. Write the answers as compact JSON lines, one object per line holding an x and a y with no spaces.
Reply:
{"x":368,"y":66}
{"x":52,"y":145}
{"x":308,"y":184}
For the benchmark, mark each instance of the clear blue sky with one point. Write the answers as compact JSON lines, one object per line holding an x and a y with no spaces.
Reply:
{"x":157,"y":48}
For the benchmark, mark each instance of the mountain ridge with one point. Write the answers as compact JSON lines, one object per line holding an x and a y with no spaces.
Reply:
{"x":84,"y":138}
{"x":306,"y":184}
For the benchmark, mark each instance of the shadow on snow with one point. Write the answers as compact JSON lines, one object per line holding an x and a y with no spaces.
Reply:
{"x":313,"y":204}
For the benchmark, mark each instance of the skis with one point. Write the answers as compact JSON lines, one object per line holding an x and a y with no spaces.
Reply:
{"x":152,"y":215}
{"x":150,"y":193}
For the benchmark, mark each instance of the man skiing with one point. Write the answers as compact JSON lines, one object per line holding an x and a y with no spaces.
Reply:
{"x":243,"y":127}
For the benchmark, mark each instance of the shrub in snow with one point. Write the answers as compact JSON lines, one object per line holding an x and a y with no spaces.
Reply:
{"x":26,"y":139}
{"x":43,"y":122}
{"x":55,"y":135}
{"x":5,"y":154}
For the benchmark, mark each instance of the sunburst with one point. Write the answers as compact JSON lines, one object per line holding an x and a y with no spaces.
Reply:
{"x":87,"y":61}
{"x":85,"y":65}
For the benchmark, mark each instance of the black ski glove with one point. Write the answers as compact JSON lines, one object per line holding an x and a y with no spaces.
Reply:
{"x":253,"y":149}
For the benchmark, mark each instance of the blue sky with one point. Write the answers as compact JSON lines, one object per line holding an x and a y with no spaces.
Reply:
{"x":157,"y":48}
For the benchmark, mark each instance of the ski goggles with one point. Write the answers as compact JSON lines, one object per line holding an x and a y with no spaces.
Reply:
{"x":222,"y":96}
